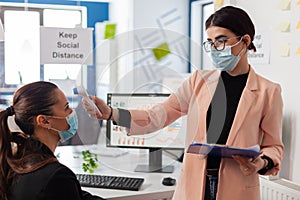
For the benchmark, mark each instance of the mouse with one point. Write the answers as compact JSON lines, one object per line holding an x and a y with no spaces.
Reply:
{"x":168,"y":181}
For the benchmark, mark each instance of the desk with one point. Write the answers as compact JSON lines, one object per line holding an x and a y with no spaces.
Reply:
{"x":123,"y":165}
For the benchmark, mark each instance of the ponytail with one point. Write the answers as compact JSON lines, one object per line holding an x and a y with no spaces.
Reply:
{"x":5,"y":152}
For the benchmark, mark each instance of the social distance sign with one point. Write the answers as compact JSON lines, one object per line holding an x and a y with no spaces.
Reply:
{"x":66,"y":45}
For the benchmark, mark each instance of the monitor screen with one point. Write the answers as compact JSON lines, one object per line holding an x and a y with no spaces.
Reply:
{"x":170,"y":137}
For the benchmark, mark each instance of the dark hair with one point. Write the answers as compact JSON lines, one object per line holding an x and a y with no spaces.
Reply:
{"x":234,"y":19}
{"x":29,"y":101}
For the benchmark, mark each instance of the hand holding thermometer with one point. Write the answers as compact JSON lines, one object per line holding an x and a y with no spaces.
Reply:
{"x":82,"y":92}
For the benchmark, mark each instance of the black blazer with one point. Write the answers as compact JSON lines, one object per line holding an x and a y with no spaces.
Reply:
{"x":51,"y":182}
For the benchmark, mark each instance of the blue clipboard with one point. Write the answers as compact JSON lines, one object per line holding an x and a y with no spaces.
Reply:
{"x":223,"y":151}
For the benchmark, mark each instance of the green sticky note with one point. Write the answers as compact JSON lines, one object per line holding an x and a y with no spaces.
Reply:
{"x":110,"y":31}
{"x":161,"y":51}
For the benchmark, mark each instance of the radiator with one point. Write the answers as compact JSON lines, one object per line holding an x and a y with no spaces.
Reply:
{"x":279,"y":189}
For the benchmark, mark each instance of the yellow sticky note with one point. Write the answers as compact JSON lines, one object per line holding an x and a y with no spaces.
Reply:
{"x":284,"y":50}
{"x":298,"y":25}
{"x":161,"y":51}
{"x":284,"y":26}
{"x":219,"y":3}
{"x":298,"y":3}
{"x":298,"y":51}
{"x":284,"y":5}
{"x":110,"y":31}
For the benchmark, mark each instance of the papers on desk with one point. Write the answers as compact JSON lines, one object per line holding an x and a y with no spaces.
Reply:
{"x":108,"y":151}
{"x":223,"y":150}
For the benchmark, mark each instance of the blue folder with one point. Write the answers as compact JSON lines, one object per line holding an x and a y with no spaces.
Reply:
{"x":223,"y":150}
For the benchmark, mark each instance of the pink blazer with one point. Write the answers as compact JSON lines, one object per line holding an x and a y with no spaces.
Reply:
{"x":258,"y":120}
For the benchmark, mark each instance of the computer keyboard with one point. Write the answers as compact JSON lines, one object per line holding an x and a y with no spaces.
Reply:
{"x":110,"y":182}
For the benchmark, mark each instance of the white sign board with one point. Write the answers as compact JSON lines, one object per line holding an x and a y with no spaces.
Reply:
{"x":66,"y":46}
{"x":262,"y":55}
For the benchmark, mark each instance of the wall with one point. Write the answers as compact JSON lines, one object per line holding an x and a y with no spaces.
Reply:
{"x":144,"y":27}
{"x":270,"y":18}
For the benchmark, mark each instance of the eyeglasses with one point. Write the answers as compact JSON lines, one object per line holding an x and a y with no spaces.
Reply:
{"x":218,"y":45}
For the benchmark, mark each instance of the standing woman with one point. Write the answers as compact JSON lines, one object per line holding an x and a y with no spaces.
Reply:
{"x":28,"y":167}
{"x":230,"y":105}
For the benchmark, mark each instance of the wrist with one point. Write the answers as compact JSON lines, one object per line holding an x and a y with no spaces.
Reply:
{"x":265,"y":163}
{"x":111,"y":113}
{"x":269,"y":164}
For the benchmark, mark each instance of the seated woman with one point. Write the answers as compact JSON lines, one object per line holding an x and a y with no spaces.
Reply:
{"x":28,"y":167}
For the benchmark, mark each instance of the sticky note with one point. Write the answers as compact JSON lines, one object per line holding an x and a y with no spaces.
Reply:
{"x":298,"y":51}
{"x":298,"y":3}
{"x":161,"y":51}
{"x":110,"y":31}
{"x":284,"y":50}
{"x":284,"y":26}
{"x":298,"y":25}
{"x":219,"y":3}
{"x":284,"y":5}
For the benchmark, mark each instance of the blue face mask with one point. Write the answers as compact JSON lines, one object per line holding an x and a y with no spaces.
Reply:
{"x":224,"y":60}
{"x":72,"y":120}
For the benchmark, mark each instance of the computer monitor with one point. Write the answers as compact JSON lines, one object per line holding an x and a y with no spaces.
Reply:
{"x":170,"y":137}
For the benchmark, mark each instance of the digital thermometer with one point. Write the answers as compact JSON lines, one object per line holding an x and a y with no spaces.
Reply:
{"x":82,"y":92}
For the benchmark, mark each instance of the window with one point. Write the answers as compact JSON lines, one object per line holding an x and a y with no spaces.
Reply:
{"x":22,"y":41}
{"x":207,"y":10}
{"x":200,"y":11}
{"x":22,"y":46}
{"x":63,"y":19}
